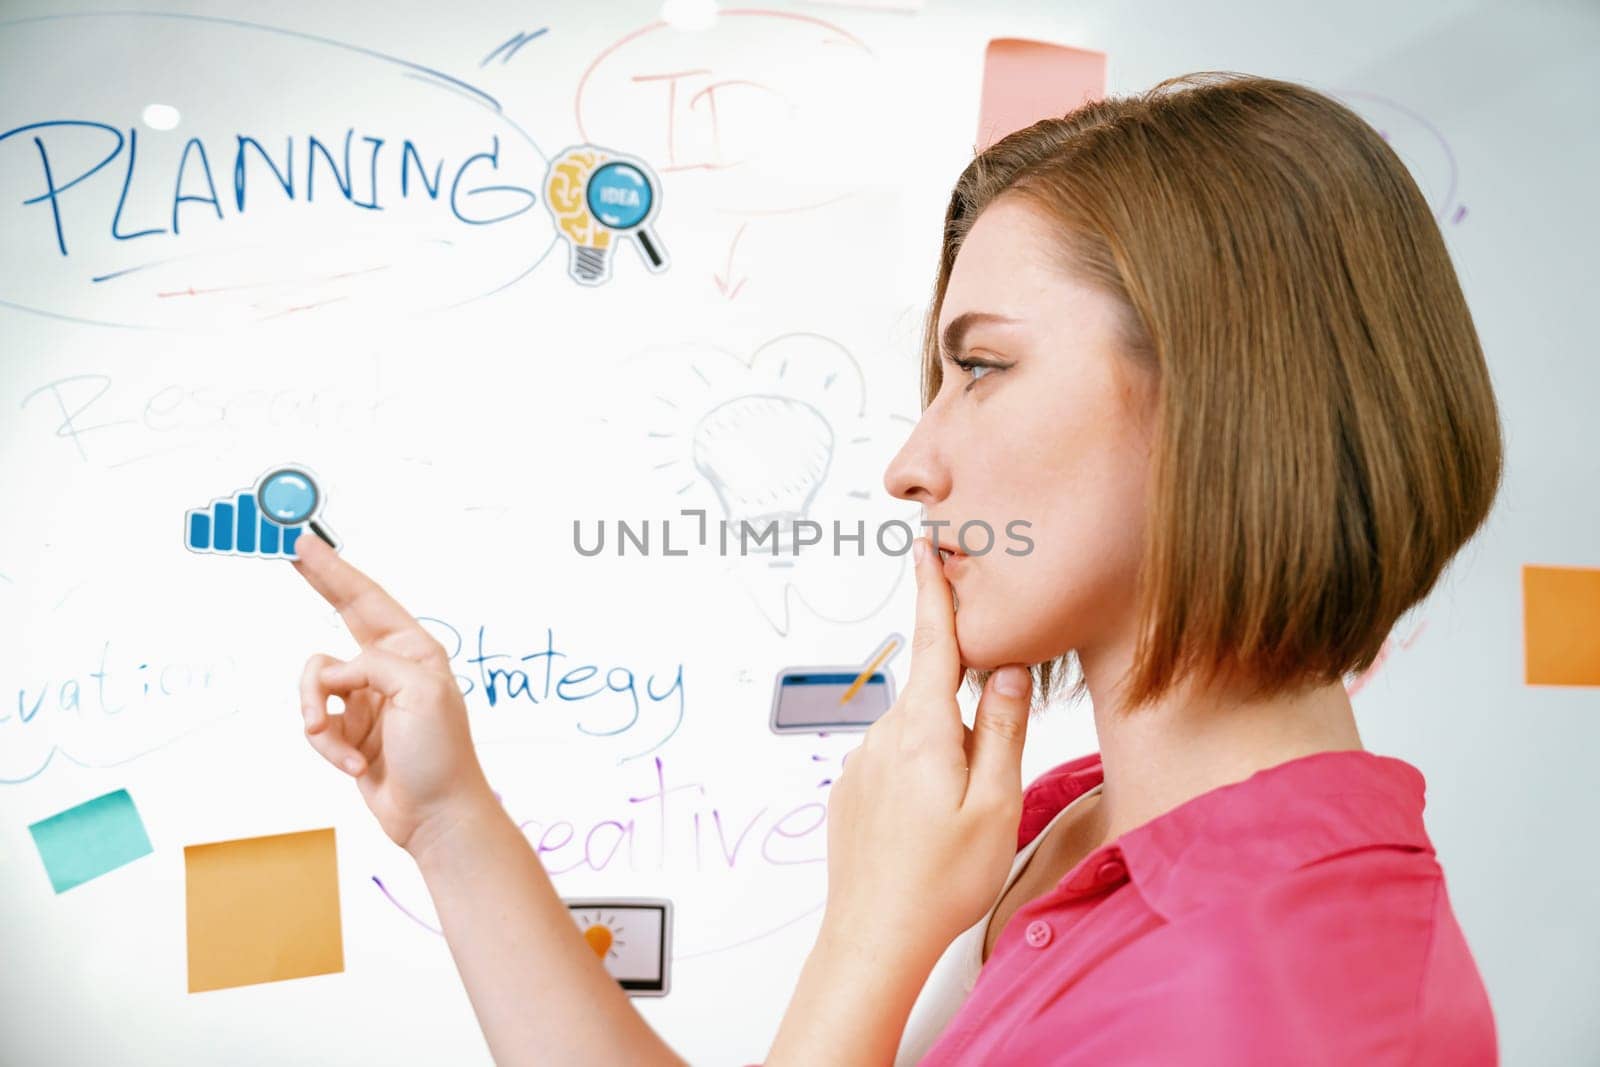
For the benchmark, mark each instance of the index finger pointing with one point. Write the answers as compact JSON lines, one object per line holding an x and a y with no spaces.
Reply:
{"x":368,"y":611}
{"x":935,"y":659}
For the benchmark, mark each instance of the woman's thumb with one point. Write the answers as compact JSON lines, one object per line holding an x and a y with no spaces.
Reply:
{"x":999,"y":729}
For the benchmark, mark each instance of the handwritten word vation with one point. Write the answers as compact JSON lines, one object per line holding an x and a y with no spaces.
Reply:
{"x":107,"y":692}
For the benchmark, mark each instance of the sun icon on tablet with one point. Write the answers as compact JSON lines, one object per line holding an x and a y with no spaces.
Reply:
{"x":601,"y":932}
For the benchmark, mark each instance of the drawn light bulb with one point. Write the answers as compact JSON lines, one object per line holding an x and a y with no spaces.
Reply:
{"x":597,"y":198}
{"x":766,"y":457}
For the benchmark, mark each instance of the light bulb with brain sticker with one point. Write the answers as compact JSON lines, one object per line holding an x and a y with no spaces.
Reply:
{"x":599,"y":197}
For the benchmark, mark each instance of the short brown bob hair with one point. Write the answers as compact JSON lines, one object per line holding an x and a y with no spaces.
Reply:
{"x":1326,"y":432}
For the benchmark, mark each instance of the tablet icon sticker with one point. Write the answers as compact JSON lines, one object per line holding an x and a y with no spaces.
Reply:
{"x":632,"y":938}
{"x":264,"y":520}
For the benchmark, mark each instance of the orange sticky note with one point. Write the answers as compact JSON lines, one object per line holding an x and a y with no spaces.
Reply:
{"x":262,"y":909}
{"x":1025,"y":81}
{"x":1561,"y":624}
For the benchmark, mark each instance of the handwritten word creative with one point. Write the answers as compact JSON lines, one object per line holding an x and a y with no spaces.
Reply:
{"x":669,"y":828}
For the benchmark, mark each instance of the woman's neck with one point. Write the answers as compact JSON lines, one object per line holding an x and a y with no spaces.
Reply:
{"x":1164,"y":754}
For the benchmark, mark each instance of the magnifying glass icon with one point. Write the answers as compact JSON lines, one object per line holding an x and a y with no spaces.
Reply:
{"x":288,"y":496}
{"x":621,"y":197}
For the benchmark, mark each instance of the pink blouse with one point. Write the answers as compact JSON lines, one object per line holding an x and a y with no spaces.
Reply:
{"x":1298,"y":916}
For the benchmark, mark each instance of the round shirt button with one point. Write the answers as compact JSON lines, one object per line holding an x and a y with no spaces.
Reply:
{"x":1111,"y":871}
{"x":1038,"y":933}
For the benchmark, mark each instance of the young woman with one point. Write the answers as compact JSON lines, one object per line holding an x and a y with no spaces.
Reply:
{"x":1208,"y":342}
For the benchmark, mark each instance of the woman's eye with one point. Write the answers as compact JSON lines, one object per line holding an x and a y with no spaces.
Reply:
{"x":972,"y":370}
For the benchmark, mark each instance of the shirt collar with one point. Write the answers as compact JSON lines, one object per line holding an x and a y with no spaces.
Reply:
{"x":1225,"y":841}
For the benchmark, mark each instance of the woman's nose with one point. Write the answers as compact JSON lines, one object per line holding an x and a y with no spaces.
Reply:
{"x":918,"y":471}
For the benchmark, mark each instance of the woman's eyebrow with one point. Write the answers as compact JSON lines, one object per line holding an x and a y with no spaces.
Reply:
{"x":955,"y":333}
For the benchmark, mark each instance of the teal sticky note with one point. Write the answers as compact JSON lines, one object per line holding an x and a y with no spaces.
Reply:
{"x":86,"y":841}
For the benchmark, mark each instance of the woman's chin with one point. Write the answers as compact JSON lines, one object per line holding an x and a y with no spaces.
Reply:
{"x":984,"y":653}
{"x":989,"y":644}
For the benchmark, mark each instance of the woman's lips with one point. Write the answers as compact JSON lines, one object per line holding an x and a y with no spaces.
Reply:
{"x":953,"y":561}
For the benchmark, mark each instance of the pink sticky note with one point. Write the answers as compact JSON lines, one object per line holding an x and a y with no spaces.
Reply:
{"x":1025,"y":81}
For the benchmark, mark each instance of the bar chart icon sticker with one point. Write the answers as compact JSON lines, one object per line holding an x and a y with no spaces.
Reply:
{"x":264,"y":520}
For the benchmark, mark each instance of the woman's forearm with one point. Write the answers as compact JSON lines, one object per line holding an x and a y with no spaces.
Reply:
{"x":542,"y":996}
{"x":856,"y":991}
{"x":539,"y":992}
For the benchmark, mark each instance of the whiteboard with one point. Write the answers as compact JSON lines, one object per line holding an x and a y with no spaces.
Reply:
{"x":432,"y":352}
